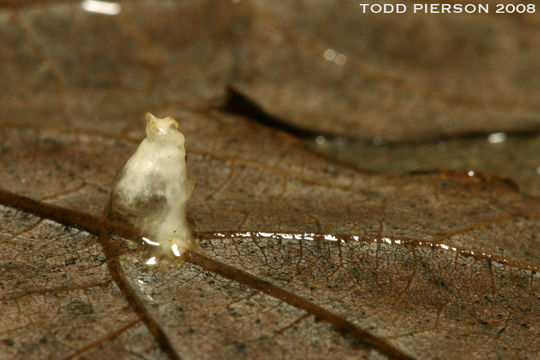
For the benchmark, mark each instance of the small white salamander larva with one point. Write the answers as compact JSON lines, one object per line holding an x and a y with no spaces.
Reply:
{"x":151,"y":190}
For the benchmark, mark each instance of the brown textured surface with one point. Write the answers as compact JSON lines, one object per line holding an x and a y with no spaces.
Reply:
{"x":424,"y":301}
{"x":406,"y":77}
{"x":516,"y":158}
{"x":434,"y":265}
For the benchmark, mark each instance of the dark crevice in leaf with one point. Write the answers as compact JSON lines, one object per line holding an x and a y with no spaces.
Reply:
{"x":239,"y":103}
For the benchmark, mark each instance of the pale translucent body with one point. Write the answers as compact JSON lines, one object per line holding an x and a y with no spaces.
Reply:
{"x":152,"y":189}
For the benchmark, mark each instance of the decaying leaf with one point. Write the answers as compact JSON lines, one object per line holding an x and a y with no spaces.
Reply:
{"x":426,"y":264}
{"x":396,"y":76}
{"x":323,"y":66}
{"x":301,"y":256}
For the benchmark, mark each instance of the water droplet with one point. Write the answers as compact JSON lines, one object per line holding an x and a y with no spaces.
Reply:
{"x":330,"y":237}
{"x":150,"y":242}
{"x":341,"y":59}
{"x":387,"y":240}
{"x":329,"y":54}
{"x":101,"y":7}
{"x":470,"y":173}
{"x":320,"y":140}
{"x":151,"y":261}
{"x":496,"y":138}
{"x":175,"y":250}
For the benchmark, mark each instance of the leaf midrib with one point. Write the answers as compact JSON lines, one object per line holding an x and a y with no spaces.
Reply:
{"x":104,"y":228}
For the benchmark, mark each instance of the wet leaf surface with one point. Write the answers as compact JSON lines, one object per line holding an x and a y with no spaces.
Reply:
{"x":301,"y":255}
{"x":512,"y":157}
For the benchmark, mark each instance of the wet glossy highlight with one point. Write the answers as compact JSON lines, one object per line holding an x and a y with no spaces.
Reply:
{"x":402,"y":241}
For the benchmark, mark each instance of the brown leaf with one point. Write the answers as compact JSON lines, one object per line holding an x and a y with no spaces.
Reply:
{"x":295,"y":247}
{"x":397,"y":77}
{"x":401,"y":77}
{"x":384,"y":262}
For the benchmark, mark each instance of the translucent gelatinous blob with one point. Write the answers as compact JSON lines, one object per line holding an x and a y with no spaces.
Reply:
{"x":151,"y":190}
